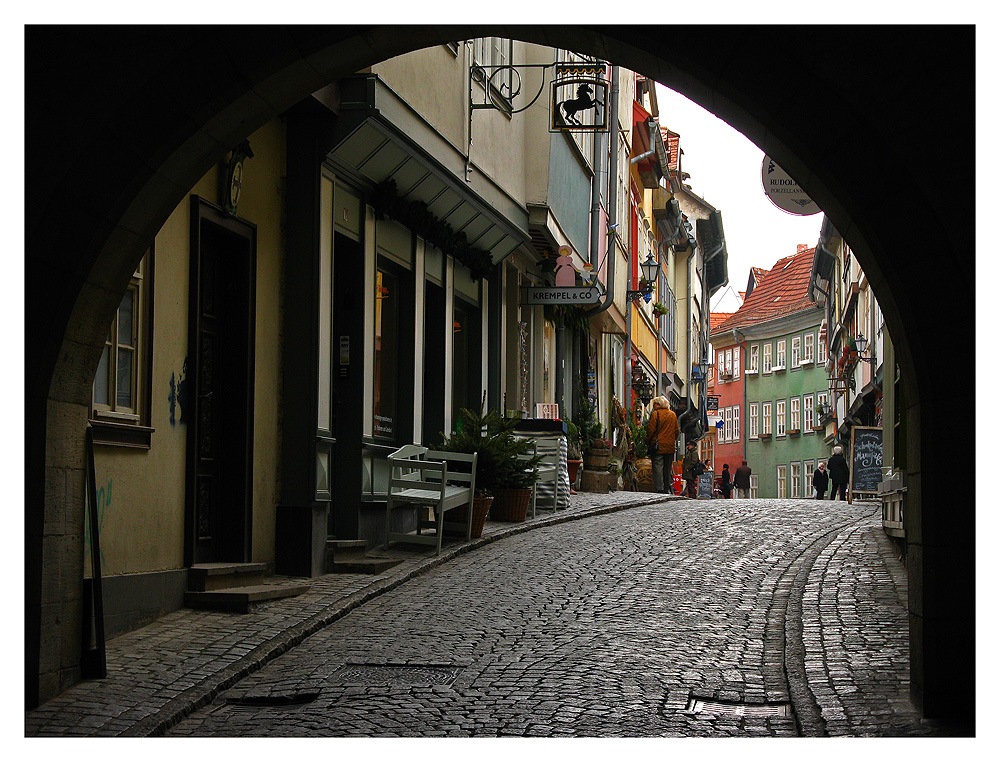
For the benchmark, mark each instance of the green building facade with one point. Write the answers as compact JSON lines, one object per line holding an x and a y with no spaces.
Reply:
{"x":786,"y":383}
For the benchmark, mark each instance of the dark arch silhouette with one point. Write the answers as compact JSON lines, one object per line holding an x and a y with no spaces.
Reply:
{"x":876,"y":123}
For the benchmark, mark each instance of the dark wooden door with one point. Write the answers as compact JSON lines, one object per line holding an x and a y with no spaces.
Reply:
{"x":220,"y":442}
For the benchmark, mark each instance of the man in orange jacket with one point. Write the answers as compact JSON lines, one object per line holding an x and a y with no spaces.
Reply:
{"x":661,"y":440}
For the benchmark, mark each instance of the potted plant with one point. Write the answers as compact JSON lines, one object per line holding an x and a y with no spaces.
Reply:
{"x":659,"y":308}
{"x":597,"y":455}
{"x":643,"y":463}
{"x":501,"y":474}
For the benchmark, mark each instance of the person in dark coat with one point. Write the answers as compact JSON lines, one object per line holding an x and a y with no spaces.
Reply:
{"x":742,"y":480}
{"x":691,"y":469}
{"x":727,"y":484}
{"x":821,"y":480}
{"x":840,"y":473}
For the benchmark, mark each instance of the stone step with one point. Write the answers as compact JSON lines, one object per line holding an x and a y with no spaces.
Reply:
{"x":241,"y":600}
{"x":219,"y":576}
{"x":352,"y":557}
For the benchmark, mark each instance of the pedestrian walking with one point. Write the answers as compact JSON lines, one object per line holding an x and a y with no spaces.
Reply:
{"x":727,"y":484}
{"x":742,"y":480}
{"x":661,"y":442}
{"x":693,"y":468}
{"x":840,"y":473}
{"x":821,"y":480}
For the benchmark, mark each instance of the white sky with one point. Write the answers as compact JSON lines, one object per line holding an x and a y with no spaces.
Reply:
{"x":725,"y":171}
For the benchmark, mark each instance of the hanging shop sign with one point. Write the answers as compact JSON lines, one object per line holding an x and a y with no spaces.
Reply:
{"x":561,"y":295}
{"x":579,"y":97}
{"x":713,"y":404}
{"x":782,"y":191}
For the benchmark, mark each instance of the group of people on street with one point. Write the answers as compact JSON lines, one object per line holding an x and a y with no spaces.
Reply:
{"x":661,"y":441}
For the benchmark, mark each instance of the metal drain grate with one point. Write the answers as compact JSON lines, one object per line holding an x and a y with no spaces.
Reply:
{"x":397,"y":675}
{"x":732,"y":709}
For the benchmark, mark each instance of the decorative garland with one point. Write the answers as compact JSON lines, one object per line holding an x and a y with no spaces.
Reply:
{"x":415,"y":215}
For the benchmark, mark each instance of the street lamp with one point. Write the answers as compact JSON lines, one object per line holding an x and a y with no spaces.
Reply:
{"x":650,"y":272}
{"x":861,"y":344}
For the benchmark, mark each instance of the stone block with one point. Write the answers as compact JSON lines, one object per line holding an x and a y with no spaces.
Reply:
{"x":595,"y":481}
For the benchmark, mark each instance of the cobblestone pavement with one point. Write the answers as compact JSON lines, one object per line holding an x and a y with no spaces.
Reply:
{"x":671,"y":618}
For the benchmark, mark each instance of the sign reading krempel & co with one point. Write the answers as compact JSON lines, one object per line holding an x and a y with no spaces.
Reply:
{"x":561,"y":295}
{"x":782,"y":191}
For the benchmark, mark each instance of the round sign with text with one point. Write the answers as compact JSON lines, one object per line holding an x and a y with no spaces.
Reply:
{"x":784,"y":192}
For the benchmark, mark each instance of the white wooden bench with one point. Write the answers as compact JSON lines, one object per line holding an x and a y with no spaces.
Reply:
{"x":422,"y":477}
{"x":546,"y":471}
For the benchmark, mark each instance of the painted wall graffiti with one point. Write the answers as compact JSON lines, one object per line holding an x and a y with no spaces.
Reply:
{"x":178,"y":395}
{"x":103,"y":501}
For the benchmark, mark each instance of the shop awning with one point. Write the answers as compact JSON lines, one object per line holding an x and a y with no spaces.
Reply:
{"x":378,"y":138}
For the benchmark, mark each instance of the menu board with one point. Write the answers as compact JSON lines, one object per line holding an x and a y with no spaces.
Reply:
{"x":705,"y":484}
{"x":866,"y":458}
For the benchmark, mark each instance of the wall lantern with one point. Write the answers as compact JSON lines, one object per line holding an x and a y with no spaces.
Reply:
{"x":861,"y":344}
{"x":650,"y":272}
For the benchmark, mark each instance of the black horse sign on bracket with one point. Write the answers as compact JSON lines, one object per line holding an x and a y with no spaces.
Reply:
{"x":579,"y":98}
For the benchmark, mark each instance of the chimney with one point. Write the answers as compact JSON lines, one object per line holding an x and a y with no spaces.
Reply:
{"x":801,"y":247}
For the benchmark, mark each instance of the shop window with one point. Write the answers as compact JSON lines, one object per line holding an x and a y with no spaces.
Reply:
{"x":120,"y":402}
{"x":753,"y":485}
{"x":807,"y":477}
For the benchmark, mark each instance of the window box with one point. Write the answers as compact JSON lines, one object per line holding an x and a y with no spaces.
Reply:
{"x":818,"y":428}
{"x":793,"y":432}
{"x":778,"y":369}
{"x":766,"y":437}
{"x":751,"y":371}
{"x":807,"y":361}
{"x":725,"y":376}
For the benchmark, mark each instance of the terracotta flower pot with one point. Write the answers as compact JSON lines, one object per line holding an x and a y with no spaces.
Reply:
{"x":574,"y":468}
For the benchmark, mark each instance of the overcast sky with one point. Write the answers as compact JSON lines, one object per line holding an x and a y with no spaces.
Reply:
{"x":725,"y":171}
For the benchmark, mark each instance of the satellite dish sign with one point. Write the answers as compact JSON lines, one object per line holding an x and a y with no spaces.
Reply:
{"x":782,"y":191}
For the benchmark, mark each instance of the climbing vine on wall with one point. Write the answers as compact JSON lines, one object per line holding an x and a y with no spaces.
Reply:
{"x":415,"y":215}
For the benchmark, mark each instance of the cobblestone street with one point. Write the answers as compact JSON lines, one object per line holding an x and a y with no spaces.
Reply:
{"x":622,"y":617}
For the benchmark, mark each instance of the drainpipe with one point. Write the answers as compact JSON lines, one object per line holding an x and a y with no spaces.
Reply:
{"x":612,"y":253}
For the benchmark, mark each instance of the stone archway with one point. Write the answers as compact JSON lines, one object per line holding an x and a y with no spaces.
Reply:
{"x":122,"y":121}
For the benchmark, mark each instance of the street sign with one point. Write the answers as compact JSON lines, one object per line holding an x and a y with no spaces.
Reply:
{"x":579,"y":295}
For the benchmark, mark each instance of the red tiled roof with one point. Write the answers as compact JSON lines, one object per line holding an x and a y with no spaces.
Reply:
{"x":782,"y":290}
{"x":672,"y":142}
{"x":716,"y":318}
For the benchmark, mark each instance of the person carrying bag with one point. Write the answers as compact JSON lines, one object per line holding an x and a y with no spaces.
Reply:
{"x":661,"y":442}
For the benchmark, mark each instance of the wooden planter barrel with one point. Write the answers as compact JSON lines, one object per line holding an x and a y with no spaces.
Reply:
{"x":596,"y":459}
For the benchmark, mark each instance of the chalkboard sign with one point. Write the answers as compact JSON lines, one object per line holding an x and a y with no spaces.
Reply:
{"x":705,"y":484}
{"x":866,"y":458}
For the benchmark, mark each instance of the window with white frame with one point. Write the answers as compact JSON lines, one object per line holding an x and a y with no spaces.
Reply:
{"x":120,"y":391}
{"x":765,"y":418}
{"x":752,"y":423}
{"x":779,"y":354}
{"x":721,"y":357}
{"x":736,"y":363}
{"x":807,"y":472}
{"x":728,"y":429}
{"x":782,"y":481}
{"x":796,"y":351}
{"x":729,"y":362}
{"x":736,"y":423}
{"x":491,"y":53}
{"x":807,"y":348}
{"x":779,"y":418}
{"x":796,"y":480}
{"x":668,"y":321}
{"x":767,"y":358}
{"x":753,"y":485}
{"x":821,"y":401}
{"x":754,"y":358}
{"x":821,"y":351}
{"x":794,"y":414}
{"x":808,"y":413}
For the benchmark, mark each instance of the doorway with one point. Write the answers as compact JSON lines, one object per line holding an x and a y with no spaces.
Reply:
{"x":220,"y":369}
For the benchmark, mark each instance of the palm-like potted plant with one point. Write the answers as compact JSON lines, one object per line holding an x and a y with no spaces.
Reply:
{"x":574,"y":452}
{"x":502,"y":475}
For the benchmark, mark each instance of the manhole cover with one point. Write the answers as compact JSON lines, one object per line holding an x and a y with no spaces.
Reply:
{"x":397,"y":674}
{"x":706,"y":706}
